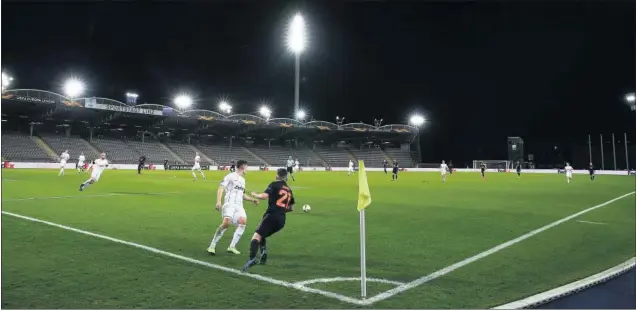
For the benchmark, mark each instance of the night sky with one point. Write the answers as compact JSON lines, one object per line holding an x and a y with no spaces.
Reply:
{"x":548,"y":71}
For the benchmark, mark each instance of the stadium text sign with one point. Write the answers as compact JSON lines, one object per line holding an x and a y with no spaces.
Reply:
{"x":99,"y":106}
{"x":186,"y":167}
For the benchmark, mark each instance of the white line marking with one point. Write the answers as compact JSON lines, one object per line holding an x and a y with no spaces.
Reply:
{"x":85,"y":196}
{"x":453,"y":267}
{"x":590,"y":222}
{"x":339,"y":279}
{"x":194,"y":261}
{"x":570,"y":288}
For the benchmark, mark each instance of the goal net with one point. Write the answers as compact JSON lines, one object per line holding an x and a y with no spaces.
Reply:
{"x":493,"y":164}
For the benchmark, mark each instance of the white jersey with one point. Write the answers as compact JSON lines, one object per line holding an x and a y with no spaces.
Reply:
{"x":290,"y":163}
{"x":234,"y":185}
{"x":350,"y":165}
{"x":443,"y":168}
{"x":297,"y":164}
{"x":64,"y":157}
{"x":100,"y":165}
{"x":81,"y":159}
{"x":568,"y":170}
{"x":197,"y":159}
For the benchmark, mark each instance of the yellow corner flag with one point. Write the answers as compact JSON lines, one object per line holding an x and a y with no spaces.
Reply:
{"x":364,"y":196}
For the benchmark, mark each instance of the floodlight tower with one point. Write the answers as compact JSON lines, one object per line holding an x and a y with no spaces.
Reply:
{"x":225,"y":107}
{"x":73,"y":87}
{"x":131,"y":98}
{"x":377,"y":122}
{"x":6,"y":81}
{"x":296,"y":43}
{"x":339,"y":120}
{"x":631,"y":101}
{"x":265,"y":111}
{"x":183,"y":101}
{"x":300,"y":115}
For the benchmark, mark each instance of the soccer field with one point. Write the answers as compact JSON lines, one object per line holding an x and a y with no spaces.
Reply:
{"x":133,"y":241}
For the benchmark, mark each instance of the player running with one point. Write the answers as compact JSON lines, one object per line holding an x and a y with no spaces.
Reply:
{"x":197,"y":166}
{"x":568,"y":171}
{"x":396,"y":169}
{"x":142,"y":162}
{"x":482,"y":167}
{"x":592,"y":172}
{"x":63,"y":159}
{"x":80,"y":163}
{"x":518,"y":169}
{"x":99,"y":165}
{"x":297,"y":165}
{"x":232,"y":210}
{"x":165,"y":164}
{"x":351,"y":169}
{"x":385,"y":165}
{"x":280,"y":201}
{"x":443,"y":168}
{"x":290,"y":168}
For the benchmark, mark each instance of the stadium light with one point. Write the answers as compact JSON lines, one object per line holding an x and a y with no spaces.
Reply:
{"x":300,"y":115}
{"x":131,"y":98}
{"x":296,"y":43}
{"x":6,"y":80}
{"x":265,"y":112}
{"x":417,"y":120}
{"x":132,"y":95}
{"x":183,"y":101}
{"x":630,"y":98}
{"x":73,"y":87}
{"x":225,"y":107}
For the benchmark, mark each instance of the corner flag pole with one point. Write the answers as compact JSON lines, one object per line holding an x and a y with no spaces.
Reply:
{"x":364,"y":199}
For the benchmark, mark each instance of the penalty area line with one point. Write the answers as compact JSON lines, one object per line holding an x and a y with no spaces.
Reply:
{"x":453,"y":267}
{"x":299,"y":287}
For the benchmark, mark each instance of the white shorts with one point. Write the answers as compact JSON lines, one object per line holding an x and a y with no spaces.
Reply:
{"x":196,"y":166}
{"x":80,"y":164}
{"x":443,"y":172}
{"x":351,"y":169}
{"x":63,"y":164}
{"x":96,"y":174}
{"x":568,"y":174}
{"x":234,"y":212}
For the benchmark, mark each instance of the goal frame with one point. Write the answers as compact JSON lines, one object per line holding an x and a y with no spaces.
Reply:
{"x":493,"y":163}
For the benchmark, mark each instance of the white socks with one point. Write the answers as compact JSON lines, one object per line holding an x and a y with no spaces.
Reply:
{"x":237,"y":235}
{"x":61,"y":172}
{"x":217,"y":235}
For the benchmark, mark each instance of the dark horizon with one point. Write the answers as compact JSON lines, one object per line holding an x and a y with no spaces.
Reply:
{"x":549,"y":72}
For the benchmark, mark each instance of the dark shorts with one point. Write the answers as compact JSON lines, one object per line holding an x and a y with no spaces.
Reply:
{"x":483,"y":172}
{"x":395,"y":170}
{"x":290,"y":169}
{"x":591,"y":172}
{"x":270,"y":224}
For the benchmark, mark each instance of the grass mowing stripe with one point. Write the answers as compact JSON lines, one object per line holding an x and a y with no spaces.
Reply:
{"x":192,"y":260}
{"x":451,"y":268}
{"x":88,"y":196}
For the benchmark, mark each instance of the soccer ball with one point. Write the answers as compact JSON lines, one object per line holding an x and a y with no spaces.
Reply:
{"x":306,"y":208}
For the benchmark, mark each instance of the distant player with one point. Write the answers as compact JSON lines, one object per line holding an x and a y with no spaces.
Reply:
{"x":63,"y":159}
{"x":297,"y":165}
{"x":232,"y":166}
{"x":142,"y":162}
{"x":280,"y":201}
{"x":568,"y":172}
{"x":165,"y":164}
{"x":232,"y":211}
{"x":592,"y":172}
{"x":99,"y":165}
{"x":443,"y":168}
{"x":396,"y":169}
{"x":385,"y":165}
{"x":81,"y":162}
{"x":482,"y":167}
{"x":518,"y":169}
{"x":450,"y":167}
{"x":197,"y":166}
{"x":351,"y":169}
{"x":290,"y":167}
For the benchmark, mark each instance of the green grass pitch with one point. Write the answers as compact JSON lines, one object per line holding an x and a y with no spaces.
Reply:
{"x":415,"y":226}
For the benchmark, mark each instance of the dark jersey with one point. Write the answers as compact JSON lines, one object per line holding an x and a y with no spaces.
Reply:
{"x":518,"y":167}
{"x":165,"y":162}
{"x":591,"y":168}
{"x":483,"y":167}
{"x":281,"y":198}
{"x":385,"y":164}
{"x":395,"y":165}
{"x":142,"y":160}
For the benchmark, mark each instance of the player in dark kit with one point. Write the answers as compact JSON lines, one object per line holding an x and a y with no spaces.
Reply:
{"x":165,"y":164}
{"x":592,"y":173}
{"x":396,"y":169}
{"x":483,"y":171}
{"x":280,"y":201}
{"x":385,"y":164}
{"x":232,"y":166}
{"x":450,"y":167}
{"x":518,"y":169}
{"x":142,"y":161}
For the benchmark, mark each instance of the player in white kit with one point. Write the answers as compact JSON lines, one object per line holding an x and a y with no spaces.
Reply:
{"x":568,"y":172}
{"x":99,"y":165}
{"x":197,"y":166}
{"x":232,"y":211}
{"x":443,"y":168}
{"x":63,"y":158}
{"x":290,"y":167}
{"x":350,"y":167}
{"x":80,"y":162}
{"x":297,"y":165}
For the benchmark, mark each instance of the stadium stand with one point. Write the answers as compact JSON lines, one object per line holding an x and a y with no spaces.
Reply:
{"x":74,"y":145}
{"x":187,"y":152}
{"x":155,"y":152}
{"x":403,"y":157}
{"x":307,"y":158}
{"x":223,"y":154}
{"x":21,"y":146}
{"x":335,"y":157}
{"x":372,"y":157}
{"x":117,"y":151}
{"x":274,"y":155}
